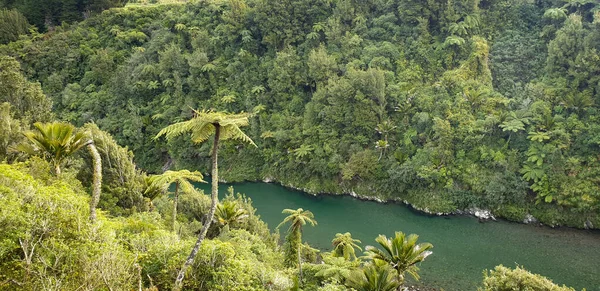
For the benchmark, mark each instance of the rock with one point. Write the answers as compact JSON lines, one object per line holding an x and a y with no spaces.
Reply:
{"x":482,"y":214}
{"x":588,"y":224}
{"x":529,"y":219}
{"x":268,"y":180}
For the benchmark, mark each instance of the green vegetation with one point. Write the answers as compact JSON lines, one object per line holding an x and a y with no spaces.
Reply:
{"x":374,"y":277}
{"x":402,"y":253}
{"x":344,"y":246}
{"x":46,"y":14}
{"x":54,"y":141}
{"x":447,"y":105}
{"x":12,"y":24}
{"x":293,"y":241}
{"x":202,"y":126}
{"x":48,"y":243}
{"x":505,"y":279}
{"x":229,"y":213}
{"x":181,"y":179}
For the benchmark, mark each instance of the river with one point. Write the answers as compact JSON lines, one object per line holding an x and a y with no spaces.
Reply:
{"x":463,"y":247}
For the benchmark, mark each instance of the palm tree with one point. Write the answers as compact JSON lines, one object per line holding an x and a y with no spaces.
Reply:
{"x":373,"y":277}
{"x":401,"y":253}
{"x":297,"y":219}
{"x":56,"y":142}
{"x":344,"y":245}
{"x":204,"y":124}
{"x":181,"y":179}
{"x":228,"y":213}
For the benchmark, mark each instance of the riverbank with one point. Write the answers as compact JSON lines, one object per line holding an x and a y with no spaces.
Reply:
{"x":510,"y":213}
{"x":528,"y":213}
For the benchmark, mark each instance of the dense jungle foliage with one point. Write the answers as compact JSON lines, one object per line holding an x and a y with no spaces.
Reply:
{"x":50,"y":13}
{"x":48,"y":243}
{"x":443,"y":104}
{"x":447,"y":105}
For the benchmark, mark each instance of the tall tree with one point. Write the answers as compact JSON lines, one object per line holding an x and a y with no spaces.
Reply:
{"x":204,"y":124}
{"x":181,"y":179}
{"x":402,"y":253}
{"x":297,"y":219}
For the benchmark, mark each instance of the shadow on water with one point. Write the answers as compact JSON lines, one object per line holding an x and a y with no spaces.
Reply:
{"x":463,"y":247}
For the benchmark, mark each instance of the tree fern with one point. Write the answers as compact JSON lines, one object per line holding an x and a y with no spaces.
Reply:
{"x":344,"y":245}
{"x":182,"y":181}
{"x":204,"y":124}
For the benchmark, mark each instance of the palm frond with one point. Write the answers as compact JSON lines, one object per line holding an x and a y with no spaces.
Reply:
{"x":401,"y":252}
{"x":55,"y":140}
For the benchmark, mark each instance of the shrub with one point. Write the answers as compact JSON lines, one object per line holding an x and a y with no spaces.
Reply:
{"x":519,"y":279}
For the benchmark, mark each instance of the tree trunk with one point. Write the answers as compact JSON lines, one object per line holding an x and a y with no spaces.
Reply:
{"x":57,"y":169}
{"x":176,"y":198}
{"x":300,"y":263}
{"x":401,"y":281}
{"x":97,"y":183}
{"x":213,"y":206}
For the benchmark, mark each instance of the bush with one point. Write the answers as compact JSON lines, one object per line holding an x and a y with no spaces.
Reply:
{"x":519,"y":279}
{"x":47,"y":241}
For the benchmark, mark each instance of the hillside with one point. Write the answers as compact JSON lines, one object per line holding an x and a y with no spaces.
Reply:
{"x":447,"y":106}
{"x":111,"y":112}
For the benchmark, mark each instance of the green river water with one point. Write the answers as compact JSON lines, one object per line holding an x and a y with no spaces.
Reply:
{"x":463,"y":247}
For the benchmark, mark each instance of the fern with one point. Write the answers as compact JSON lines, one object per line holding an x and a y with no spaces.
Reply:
{"x":202,"y":126}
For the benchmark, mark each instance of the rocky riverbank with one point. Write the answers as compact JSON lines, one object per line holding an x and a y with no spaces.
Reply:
{"x":480,"y":213}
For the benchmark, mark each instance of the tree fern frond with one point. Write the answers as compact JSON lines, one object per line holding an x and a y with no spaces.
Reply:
{"x":175,"y":130}
{"x":234,"y":132}
{"x":164,"y":180}
{"x":202,"y":133}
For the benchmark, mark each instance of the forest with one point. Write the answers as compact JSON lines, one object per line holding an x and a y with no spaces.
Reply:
{"x":110,"y":111}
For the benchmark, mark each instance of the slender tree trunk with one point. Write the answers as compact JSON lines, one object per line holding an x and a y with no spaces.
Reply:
{"x":97,"y":183}
{"x":175,"y":200}
{"x":57,"y":169}
{"x":139,"y":275}
{"x":213,"y":206}
{"x":299,"y":263}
